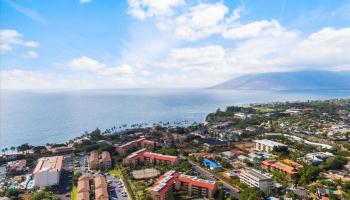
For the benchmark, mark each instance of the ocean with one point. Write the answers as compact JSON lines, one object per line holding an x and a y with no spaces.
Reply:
{"x":40,"y":117}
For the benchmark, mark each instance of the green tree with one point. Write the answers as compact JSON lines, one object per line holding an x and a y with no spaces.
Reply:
{"x":252,"y":193}
{"x":44,"y":195}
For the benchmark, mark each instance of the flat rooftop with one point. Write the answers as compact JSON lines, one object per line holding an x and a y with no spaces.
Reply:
{"x":269,"y":143}
{"x":257,"y":174}
{"x":49,"y":163}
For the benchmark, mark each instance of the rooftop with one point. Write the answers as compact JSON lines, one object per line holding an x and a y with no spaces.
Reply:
{"x":49,"y":163}
{"x":259,"y":175}
{"x":269,"y":143}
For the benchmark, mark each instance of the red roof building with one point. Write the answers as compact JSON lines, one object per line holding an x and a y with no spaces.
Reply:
{"x":176,"y":181}
{"x":144,"y":155}
{"x":139,"y":143}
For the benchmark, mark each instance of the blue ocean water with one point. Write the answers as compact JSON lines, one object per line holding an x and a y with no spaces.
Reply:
{"x":39,"y":117}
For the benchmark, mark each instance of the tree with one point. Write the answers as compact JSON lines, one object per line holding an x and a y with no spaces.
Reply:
{"x":171,"y":195}
{"x":334,"y":163}
{"x":252,"y":193}
{"x":309,"y":173}
{"x":44,"y":195}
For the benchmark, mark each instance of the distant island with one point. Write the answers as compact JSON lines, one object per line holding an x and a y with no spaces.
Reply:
{"x":297,"y":80}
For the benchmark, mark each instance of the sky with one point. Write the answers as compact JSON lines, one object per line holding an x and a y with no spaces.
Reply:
{"x":109,"y":44}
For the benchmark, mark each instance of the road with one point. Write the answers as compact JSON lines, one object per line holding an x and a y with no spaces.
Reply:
{"x":206,"y":173}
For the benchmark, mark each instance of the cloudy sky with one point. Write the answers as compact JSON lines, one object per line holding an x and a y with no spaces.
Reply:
{"x":89,"y":44}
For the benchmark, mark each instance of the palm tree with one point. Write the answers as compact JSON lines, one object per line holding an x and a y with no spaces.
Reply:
{"x":13,"y":149}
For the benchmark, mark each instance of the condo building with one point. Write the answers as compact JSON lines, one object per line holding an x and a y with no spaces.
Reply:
{"x":83,"y":190}
{"x":97,"y":189}
{"x":266,"y":145}
{"x":278,"y":166}
{"x":143,"y":155}
{"x":172,"y":180}
{"x":132,"y":145}
{"x":104,"y":160}
{"x":255,"y":178}
{"x":47,"y":171}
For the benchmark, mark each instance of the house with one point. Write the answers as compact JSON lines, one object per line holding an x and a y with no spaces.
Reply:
{"x":211,"y":164}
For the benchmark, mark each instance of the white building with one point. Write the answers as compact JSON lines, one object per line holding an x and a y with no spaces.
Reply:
{"x":47,"y":171}
{"x":266,"y":145}
{"x":254,"y":178}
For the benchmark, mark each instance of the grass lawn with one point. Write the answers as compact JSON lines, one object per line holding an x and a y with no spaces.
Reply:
{"x":74,"y":193}
{"x":265,"y":109}
{"x":115,"y":172}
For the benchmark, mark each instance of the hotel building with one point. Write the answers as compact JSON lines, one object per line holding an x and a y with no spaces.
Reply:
{"x":144,"y":155}
{"x":172,"y":180}
{"x":266,"y":145}
{"x":47,"y":171}
{"x":254,"y":178}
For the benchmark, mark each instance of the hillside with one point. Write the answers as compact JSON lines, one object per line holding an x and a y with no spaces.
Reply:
{"x":299,"y":80}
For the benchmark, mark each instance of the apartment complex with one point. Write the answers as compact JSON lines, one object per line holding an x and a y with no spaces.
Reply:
{"x":132,"y":145}
{"x":278,"y":166}
{"x":104,"y":160}
{"x":266,"y":145}
{"x":143,"y":155}
{"x":47,"y":171}
{"x":101,"y":192}
{"x":175,"y":181}
{"x":16,"y":167}
{"x":254,"y":178}
{"x":84,"y":188}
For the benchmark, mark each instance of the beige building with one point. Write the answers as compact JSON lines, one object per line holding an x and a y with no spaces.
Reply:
{"x":255,"y":178}
{"x":266,"y":145}
{"x":47,"y":171}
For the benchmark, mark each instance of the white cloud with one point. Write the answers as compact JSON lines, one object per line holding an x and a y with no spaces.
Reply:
{"x":85,"y":1}
{"x":86,"y":64}
{"x":256,"y":28}
{"x":201,"y":21}
{"x":11,"y":38}
{"x":150,"y":8}
{"x":31,"y":54}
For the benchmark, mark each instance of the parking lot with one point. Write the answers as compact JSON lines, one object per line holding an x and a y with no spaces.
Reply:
{"x":116,"y":188}
{"x":63,"y":190}
{"x":81,"y":164}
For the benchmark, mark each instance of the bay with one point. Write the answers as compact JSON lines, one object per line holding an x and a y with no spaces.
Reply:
{"x":40,"y":117}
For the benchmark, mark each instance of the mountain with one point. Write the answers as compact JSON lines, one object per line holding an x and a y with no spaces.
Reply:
{"x":297,"y":80}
